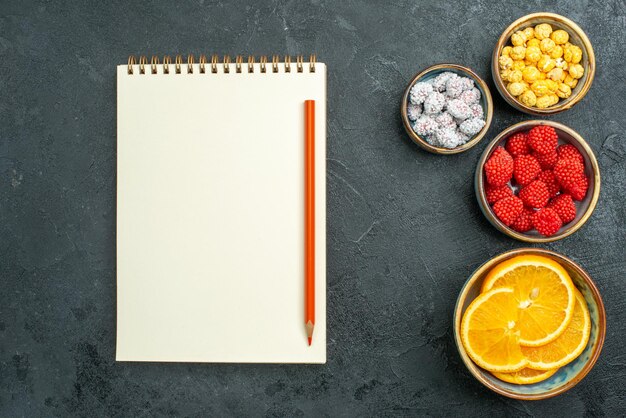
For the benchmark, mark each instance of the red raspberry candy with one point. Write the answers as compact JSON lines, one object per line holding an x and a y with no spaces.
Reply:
{"x":499,"y":167}
{"x":535,"y":195}
{"x":526,"y":169}
{"x":543,"y":139}
{"x":549,"y":179}
{"x":568,"y":150}
{"x":547,"y":222}
{"x":569,"y":171}
{"x":508,"y":209}
{"x":496,"y":193}
{"x":564,"y":206}
{"x":579,"y":189}
{"x":524,"y":221}
{"x":518,"y":144}
{"x":546,"y":161}
{"x":499,"y":152}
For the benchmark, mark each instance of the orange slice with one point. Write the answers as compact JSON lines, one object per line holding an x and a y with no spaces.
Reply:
{"x":489,"y":331}
{"x":568,"y":346}
{"x":526,"y":376}
{"x":544,"y":293}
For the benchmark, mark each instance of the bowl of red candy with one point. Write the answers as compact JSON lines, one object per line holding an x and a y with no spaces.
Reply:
{"x":537,"y":181}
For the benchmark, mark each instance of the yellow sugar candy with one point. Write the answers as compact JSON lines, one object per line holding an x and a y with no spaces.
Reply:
{"x":533,"y":42}
{"x":505,"y":62}
{"x":555,"y":98}
{"x":518,"y":38}
{"x":518,"y":65}
{"x":547,"y":45}
{"x":572,"y":54}
{"x":543,"y":31}
{"x":576,"y":71}
{"x":515,"y":88}
{"x":557,"y":52}
{"x":560,"y":37}
{"x":530,"y":74}
{"x":546,"y":63}
{"x":540,"y":88}
{"x":556,"y":74}
{"x":515,"y":76}
{"x":533,"y":53}
{"x":541,"y":66}
{"x":577,"y":54}
{"x":564,"y":91}
{"x":518,"y":52}
{"x":567,"y":53}
{"x":544,"y":102}
{"x":552,"y":85}
{"x":570,"y":81}
{"x":529,"y":32}
{"x":528,"y":98}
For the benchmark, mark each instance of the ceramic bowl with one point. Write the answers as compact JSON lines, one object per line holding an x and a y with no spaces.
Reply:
{"x":485,"y":101}
{"x":577,"y":37}
{"x":584,"y":209}
{"x":567,"y":376}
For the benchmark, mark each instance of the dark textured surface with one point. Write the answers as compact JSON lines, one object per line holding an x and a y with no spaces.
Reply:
{"x":404,"y":229}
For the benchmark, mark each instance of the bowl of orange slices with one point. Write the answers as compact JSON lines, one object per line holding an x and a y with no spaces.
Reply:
{"x":529,"y":324}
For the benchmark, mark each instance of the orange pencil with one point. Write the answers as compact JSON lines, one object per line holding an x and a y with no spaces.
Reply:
{"x":309,"y":217}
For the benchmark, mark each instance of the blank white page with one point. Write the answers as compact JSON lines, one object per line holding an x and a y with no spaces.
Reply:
{"x":210,"y":215}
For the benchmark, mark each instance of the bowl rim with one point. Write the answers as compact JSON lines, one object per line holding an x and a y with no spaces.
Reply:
{"x":421,"y":141}
{"x":588,"y":77}
{"x":479,"y":186}
{"x":479,"y":272}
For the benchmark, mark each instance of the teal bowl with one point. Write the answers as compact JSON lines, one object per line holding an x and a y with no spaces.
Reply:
{"x":567,"y":376}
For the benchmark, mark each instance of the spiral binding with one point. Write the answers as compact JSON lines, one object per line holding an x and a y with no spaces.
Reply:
{"x":226,"y":64}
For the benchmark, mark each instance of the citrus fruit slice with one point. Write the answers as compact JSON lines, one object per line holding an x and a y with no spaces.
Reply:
{"x":544,"y":293}
{"x":489,"y":331}
{"x":568,"y":346}
{"x":526,"y":376}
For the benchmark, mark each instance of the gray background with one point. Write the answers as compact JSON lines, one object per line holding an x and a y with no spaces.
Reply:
{"x":404,"y":228}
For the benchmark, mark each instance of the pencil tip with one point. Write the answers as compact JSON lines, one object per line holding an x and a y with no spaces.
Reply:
{"x":309,"y":331}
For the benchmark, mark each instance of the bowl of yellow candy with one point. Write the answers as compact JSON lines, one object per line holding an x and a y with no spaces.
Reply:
{"x":543,"y":64}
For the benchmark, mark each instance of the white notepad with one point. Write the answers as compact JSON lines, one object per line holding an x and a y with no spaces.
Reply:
{"x":210,"y":214}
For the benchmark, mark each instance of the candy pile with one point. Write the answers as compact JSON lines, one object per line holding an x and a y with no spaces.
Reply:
{"x":446,"y":110}
{"x":548,"y":177}
{"x":541,"y":66}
